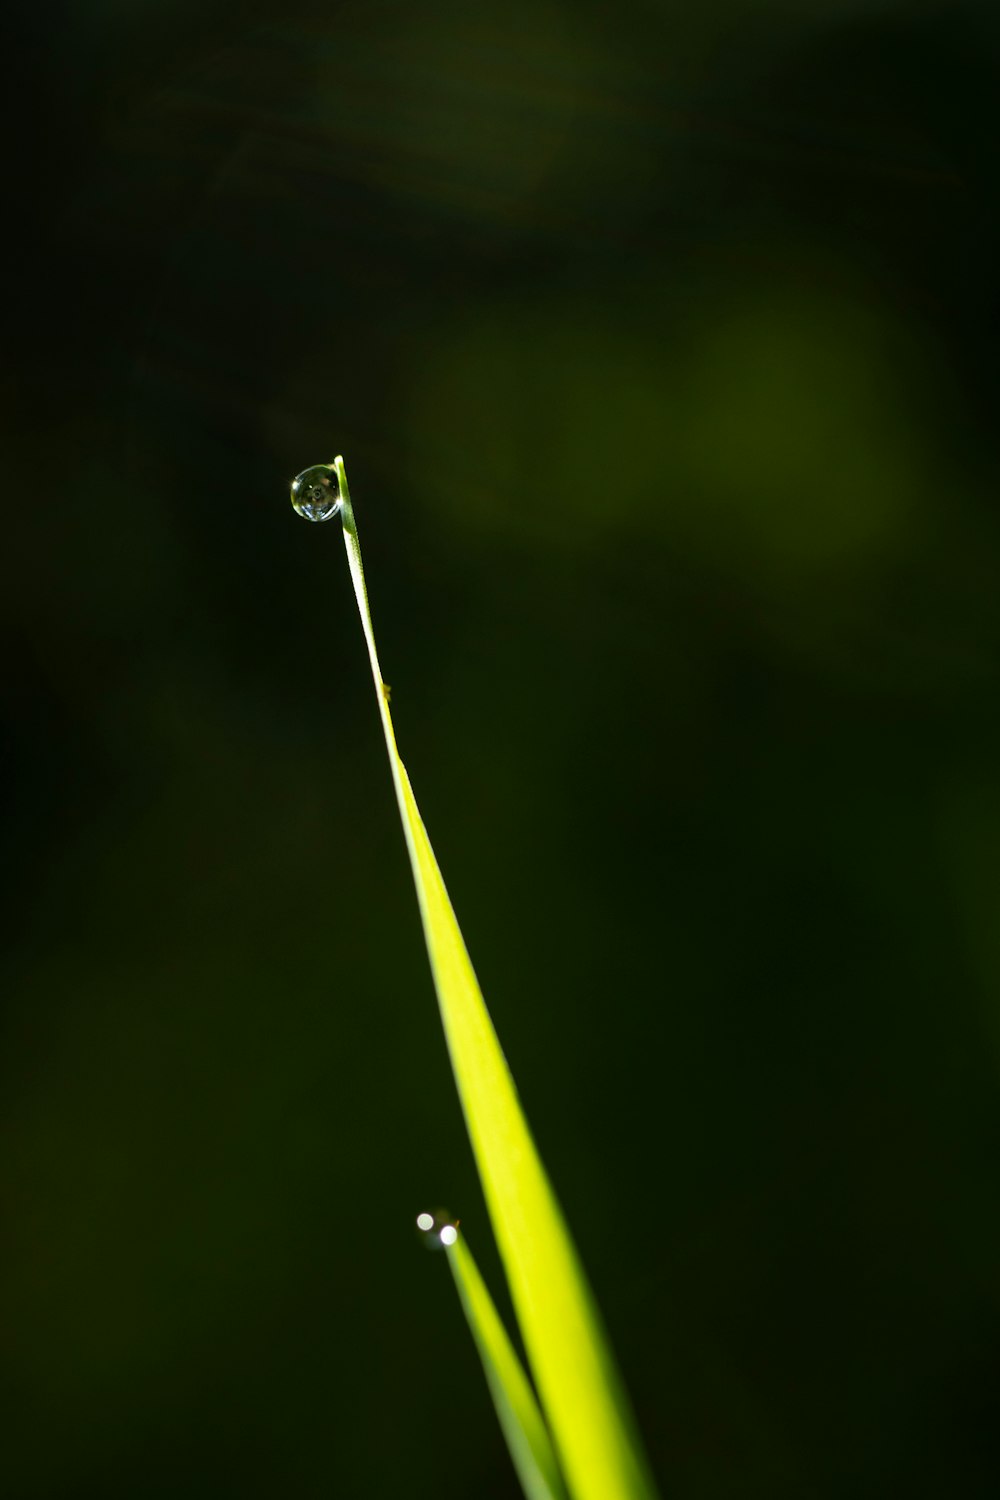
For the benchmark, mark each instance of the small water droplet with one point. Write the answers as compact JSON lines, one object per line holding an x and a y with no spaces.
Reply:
{"x":316,"y":493}
{"x":440,"y":1228}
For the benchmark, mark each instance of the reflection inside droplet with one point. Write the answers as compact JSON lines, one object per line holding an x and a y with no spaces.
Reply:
{"x":440,"y":1228}
{"x":316,"y":492}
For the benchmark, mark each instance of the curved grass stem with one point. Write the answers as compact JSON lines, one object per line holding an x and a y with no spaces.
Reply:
{"x":571,"y":1360}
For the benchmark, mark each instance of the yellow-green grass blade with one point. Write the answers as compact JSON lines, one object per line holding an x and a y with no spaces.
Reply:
{"x":522,"y":1423}
{"x":568,"y":1351}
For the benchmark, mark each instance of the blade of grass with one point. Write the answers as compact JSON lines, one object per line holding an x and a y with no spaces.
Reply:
{"x":570,"y":1357}
{"x":522,"y":1423}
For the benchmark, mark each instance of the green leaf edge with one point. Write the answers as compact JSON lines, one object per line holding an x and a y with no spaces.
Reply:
{"x":520,"y":1419}
{"x":575,"y":1373}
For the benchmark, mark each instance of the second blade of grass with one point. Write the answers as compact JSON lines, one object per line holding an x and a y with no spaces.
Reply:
{"x":522,"y":1423}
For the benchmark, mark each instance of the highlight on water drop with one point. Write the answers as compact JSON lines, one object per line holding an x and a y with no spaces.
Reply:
{"x":316,"y":493}
{"x":439,"y":1228}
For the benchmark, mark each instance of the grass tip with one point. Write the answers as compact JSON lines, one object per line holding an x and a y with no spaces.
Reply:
{"x":439,"y":1228}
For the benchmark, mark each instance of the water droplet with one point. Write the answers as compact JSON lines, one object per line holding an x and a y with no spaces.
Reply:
{"x":440,"y":1228}
{"x":316,"y":493}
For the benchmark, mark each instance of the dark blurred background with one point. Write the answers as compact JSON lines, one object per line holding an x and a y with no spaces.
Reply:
{"x":661,"y":342}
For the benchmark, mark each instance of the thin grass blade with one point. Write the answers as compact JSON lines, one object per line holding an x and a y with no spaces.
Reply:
{"x":569,"y":1354}
{"x":520,"y":1419}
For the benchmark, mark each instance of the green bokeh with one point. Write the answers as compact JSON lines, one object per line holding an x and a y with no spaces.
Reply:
{"x":662,"y":350}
